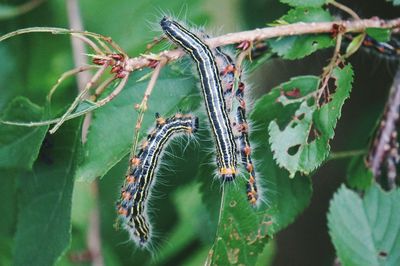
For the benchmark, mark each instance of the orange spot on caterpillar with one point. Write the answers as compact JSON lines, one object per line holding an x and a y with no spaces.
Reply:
{"x":228,"y":69}
{"x":250,"y":168}
{"x":130,"y":179}
{"x":179,"y":115}
{"x":122,"y":211}
{"x":160,"y":121}
{"x":252,"y":179}
{"x":137,"y":187}
{"x":227,"y":171}
{"x":241,"y":86}
{"x":135,"y":161}
{"x":247,"y":150}
{"x":243,"y":127}
{"x":145,"y":144}
{"x":126,"y":195}
{"x":252,"y":199}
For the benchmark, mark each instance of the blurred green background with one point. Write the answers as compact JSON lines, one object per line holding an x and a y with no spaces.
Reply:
{"x":31,"y":64}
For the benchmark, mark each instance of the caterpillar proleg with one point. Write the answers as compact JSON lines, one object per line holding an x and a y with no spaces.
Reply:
{"x":212,"y":92}
{"x":132,"y":206}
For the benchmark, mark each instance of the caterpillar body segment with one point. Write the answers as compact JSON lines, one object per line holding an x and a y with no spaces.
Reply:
{"x":136,"y":190}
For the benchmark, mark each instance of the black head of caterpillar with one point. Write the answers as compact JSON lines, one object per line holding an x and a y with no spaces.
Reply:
{"x":132,"y":206}
{"x":212,"y":92}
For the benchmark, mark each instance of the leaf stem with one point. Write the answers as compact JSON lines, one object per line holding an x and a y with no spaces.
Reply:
{"x":345,"y":9}
{"x":345,"y":154}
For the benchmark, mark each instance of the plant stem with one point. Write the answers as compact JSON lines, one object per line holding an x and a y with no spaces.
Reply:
{"x":84,"y":83}
{"x":345,"y":154}
{"x":345,"y":9}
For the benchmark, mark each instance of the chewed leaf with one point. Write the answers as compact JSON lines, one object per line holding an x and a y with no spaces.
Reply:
{"x":294,"y":47}
{"x":365,"y":231}
{"x":242,"y":232}
{"x":302,"y":144}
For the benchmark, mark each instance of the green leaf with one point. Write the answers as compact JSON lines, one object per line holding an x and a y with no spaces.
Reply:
{"x":359,"y":176}
{"x":111,"y":131}
{"x":355,"y":44}
{"x":9,"y":11}
{"x":19,"y":146}
{"x":379,"y":34}
{"x":301,"y":143}
{"x":366,"y":231}
{"x":6,"y":71}
{"x":395,"y":2}
{"x":306,"y":3}
{"x":188,"y":227}
{"x":8,"y":206}
{"x":256,"y":63}
{"x":143,"y":12}
{"x":44,"y":220}
{"x":295,"y":47}
{"x":242,"y":232}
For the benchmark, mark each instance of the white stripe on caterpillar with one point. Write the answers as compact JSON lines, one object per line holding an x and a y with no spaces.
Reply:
{"x":227,"y":71}
{"x":212,"y":92}
{"x":132,"y":206}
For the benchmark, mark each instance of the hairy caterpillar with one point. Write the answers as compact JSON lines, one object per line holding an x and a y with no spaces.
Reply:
{"x":140,"y":177}
{"x":212,"y":92}
{"x":227,"y":71}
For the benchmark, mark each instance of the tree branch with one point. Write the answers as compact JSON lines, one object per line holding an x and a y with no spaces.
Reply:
{"x":270,"y":32}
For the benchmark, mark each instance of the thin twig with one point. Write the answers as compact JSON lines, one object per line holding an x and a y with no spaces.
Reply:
{"x":67,"y":74}
{"x":78,"y":99}
{"x":85,"y":82}
{"x":345,"y":154}
{"x":143,"y":105}
{"x":345,"y":9}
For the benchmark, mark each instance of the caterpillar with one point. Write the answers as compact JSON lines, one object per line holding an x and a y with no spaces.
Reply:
{"x":228,"y":71}
{"x":213,"y":95}
{"x":132,"y":206}
{"x":389,"y":50}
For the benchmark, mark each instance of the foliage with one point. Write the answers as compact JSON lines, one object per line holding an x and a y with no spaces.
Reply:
{"x":365,"y":231}
{"x":296,"y":47}
{"x":53,"y":184}
{"x":303,"y":143}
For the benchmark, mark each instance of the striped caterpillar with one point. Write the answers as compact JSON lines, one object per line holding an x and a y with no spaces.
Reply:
{"x":213,"y":95}
{"x":132,"y":206}
{"x":229,"y":73}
